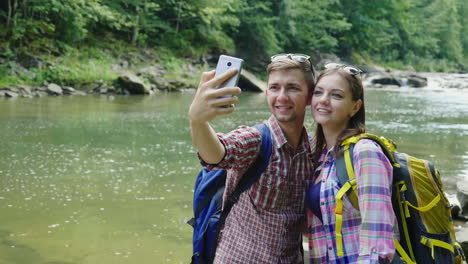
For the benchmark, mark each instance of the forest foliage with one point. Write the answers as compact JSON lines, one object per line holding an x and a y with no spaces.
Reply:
{"x":426,"y":34}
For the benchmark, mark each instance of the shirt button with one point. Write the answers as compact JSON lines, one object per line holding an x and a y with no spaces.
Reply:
{"x":322,"y":203}
{"x":330,"y":248}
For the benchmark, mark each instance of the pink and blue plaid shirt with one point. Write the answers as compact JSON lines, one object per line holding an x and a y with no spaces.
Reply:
{"x":368,"y":232}
{"x":266,"y":224}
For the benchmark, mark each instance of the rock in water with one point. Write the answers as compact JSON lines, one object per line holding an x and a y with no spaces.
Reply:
{"x":133,"y":84}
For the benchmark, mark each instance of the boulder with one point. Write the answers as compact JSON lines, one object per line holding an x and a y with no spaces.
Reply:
{"x":462,"y":196}
{"x":18,"y":70}
{"x":92,"y":86}
{"x":416,"y":81}
{"x":30,"y":61}
{"x":54,"y":89}
{"x":39,"y":93}
{"x":11,"y":94}
{"x":25,"y":90}
{"x":249,"y":82}
{"x":383,"y":79}
{"x":133,"y":84}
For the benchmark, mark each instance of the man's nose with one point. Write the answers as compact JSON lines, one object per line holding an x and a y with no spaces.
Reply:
{"x":283,"y":93}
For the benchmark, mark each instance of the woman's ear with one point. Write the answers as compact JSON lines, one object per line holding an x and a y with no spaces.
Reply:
{"x":356,"y":107}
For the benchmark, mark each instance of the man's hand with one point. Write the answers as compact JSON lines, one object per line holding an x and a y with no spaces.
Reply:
{"x":208,"y":103}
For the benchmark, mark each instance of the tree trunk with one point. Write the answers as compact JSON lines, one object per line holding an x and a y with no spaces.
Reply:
{"x":15,"y":7}
{"x":178,"y":17}
{"x":9,"y":14}
{"x":136,"y":28}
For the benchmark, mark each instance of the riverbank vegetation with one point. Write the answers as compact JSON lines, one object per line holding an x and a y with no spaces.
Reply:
{"x":77,"y":41}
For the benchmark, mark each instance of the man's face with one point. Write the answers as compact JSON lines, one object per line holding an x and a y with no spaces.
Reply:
{"x":287,"y":95}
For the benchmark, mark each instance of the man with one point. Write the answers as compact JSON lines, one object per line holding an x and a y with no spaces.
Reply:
{"x":265,"y":225}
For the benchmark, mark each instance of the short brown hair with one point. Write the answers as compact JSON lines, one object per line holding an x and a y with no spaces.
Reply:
{"x":288,"y":64}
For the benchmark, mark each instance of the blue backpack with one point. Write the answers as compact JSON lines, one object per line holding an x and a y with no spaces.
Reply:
{"x":208,"y":200}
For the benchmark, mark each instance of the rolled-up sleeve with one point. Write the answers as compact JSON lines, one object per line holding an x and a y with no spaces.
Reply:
{"x":242,"y":146}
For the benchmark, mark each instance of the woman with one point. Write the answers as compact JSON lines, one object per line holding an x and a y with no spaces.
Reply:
{"x":338,"y":110}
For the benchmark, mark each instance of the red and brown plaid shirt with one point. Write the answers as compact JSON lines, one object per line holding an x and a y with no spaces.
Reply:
{"x":266,"y":224}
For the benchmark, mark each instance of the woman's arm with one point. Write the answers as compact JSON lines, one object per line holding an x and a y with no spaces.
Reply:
{"x":374,"y":180}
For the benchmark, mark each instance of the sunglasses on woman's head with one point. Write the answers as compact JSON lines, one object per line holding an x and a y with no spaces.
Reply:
{"x":350,"y":69}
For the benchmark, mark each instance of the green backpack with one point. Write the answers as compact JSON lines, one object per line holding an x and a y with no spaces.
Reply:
{"x":420,"y":205}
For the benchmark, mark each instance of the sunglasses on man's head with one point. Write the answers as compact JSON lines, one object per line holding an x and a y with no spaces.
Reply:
{"x":350,"y":69}
{"x":292,"y":56}
{"x":302,"y":58}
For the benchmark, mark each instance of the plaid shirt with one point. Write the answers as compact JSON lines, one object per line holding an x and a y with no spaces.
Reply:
{"x":266,"y":224}
{"x":368,"y":233}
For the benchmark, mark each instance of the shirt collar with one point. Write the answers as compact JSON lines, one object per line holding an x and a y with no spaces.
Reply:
{"x":279,"y":138}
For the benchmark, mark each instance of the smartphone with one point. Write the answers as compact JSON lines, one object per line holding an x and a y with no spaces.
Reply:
{"x":225,"y":63}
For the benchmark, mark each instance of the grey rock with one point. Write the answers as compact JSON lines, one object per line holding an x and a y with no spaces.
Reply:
{"x":25,"y":90}
{"x":11,"y":94}
{"x":54,"y":89}
{"x":249,"y":82}
{"x":39,"y":93}
{"x":462,"y":196}
{"x":133,"y":84}
{"x":417,"y":81}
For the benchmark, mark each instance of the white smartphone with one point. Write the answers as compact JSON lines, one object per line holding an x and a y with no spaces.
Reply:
{"x":225,"y":63}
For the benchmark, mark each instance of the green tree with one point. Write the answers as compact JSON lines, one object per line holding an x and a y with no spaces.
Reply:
{"x":302,"y":32}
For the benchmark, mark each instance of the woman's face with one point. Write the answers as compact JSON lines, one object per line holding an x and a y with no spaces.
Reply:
{"x":332,"y":103}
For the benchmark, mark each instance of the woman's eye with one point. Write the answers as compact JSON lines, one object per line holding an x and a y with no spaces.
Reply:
{"x":339,"y":96}
{"x":317,"y":93}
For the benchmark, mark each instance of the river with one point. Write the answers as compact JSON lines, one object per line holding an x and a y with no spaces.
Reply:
{"x":109,"y":179}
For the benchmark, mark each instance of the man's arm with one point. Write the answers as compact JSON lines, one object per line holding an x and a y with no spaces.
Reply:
{"x":207,"y":105}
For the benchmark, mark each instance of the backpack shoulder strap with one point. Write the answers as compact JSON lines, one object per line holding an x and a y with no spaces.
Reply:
{"x":248,"y":179}
{"x":259,"y":165}
{"x":345,"y":166}
{"x":347,"y":179}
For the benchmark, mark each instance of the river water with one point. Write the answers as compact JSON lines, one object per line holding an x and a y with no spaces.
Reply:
{"x":108,"y":180}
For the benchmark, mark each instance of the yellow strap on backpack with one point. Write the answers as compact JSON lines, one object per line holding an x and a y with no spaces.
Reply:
{"x":349,"y":185}
{"x":436,"y":243}
{"x":402,"y":252}
{"x":428,"y":206}
{"x":339,"y":217}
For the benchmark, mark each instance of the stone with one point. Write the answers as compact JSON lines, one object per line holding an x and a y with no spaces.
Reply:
{"x":11,"y":94}
{"x":25,"y":90}
{"x":416,"y":81}
{"x":384,"y":80}
{"x":54,"y":89}
{"x":250,"y":82}
{"x":39,"y":93}
{"x":462,"y":196}
{"x":133,"y":84}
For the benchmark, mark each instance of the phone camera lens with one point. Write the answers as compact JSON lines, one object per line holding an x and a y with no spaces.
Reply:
{"x":229,"y":64}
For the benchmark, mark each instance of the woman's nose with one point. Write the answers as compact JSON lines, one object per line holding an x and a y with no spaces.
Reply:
{"x":324,"y":99}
